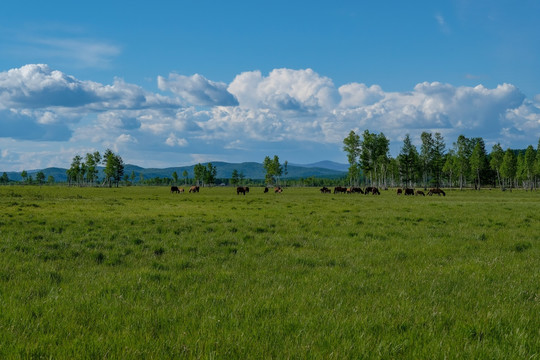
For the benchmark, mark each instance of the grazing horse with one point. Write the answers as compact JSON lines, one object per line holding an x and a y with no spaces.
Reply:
{"x":194,"y":189}
{"x":265,"y":190}
{"x":339,"y":189}
{"x":372,"y":190}
{"x":325,"y":190}
{"x":399,"y":191}
{"x":357,"y":190}
{"x":278,"y":189}
{"x":174,"y":189}
{"x":409,"y":191}
{"x":240,"y":189}
{"x":436,"y":191}
{"x":420,"y":192}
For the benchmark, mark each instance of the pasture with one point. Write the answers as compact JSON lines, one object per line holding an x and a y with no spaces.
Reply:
{"x":139,"y":272}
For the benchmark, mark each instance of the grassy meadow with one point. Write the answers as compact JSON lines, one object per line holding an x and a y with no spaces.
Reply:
{"x":137,"y":272}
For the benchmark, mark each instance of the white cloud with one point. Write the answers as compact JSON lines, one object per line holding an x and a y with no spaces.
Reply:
{"x":197,"y":90}
{"x":293,"y":107}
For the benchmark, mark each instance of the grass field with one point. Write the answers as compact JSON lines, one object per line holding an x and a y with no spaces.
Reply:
{"x":138,"y":272}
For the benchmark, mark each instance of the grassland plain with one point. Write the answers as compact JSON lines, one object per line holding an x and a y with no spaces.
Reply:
{"x":138,"y":272}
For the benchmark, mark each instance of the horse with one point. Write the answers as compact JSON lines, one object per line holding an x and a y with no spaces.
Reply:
{"x":420,"y":192}
{"x":372,"y":190}
{"x":278,"y":189}
{"x":265,"y":190}
{"x":240,"y":189}
{"x":246,"y":189}
{"x":436,"y":191}
{"x":194,"y":189}
{"x":409,"y":191}
{"x":174,"y":189}
{"x":357,"y":190}
{"x":325,"y":190}
{"x":399,"y":191}
{"x":339,"y":189}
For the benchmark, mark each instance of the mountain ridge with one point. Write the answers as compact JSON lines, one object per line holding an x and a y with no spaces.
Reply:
{"x":250,"y":170}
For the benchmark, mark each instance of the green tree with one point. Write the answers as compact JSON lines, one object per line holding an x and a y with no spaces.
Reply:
{"x":114,"y":168}
{"x":74,"y":171}
{"x":509,"y":167}
{"x":438,"y":158}
{"x":4,"y":179}
{"x":40,"y":177}
{"x":132,"y":176}
{"x":210,"y":174}
{"x":185,"y":176}
{"x":234,"y":177}
{"x":530,"y":159}
{"x":273,"y":169}
{"x":351,"y":146}
{"x":175,"y":177}
{"x":463,"y":153}
{"x":92,"y":160}
{"x":496,"y":160}
{"x":24,"y":175}
{"x":408,"y":162}
{"x":199,"y":171}
{"x":427,"y":152}
{"x":478,"y":161}
{"x":50,"y":180}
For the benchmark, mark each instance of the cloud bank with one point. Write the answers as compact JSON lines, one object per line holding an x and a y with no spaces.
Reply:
{"x":254,"y":113}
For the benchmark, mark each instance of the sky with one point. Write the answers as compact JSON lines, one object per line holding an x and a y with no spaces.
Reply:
{"x":174,"y":83}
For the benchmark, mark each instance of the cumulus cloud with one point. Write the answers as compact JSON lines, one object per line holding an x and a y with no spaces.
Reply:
{"x":197,"y":90}
{"x":254,"y":111}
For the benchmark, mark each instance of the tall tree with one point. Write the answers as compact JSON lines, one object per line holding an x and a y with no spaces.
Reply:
{"x":210,"y":174}
{"x":24,"y":175}
{"x":74,"y":171}
{"x":351,"y":146}
{"x":185,"y":175}
{"x":40,"y":177}
{"x":408,"y":162}
{"x":478,"y":161}
{"x":234,"y":177}
{"x":427,"y":150}
{"x":114,"y":168}
{"x":463,"y":153}
{"x":273,"y":169}
{"x":199,"y":171}
{"x":4,"y":179}
{"x":438,"y":158}
{"x":175,"y":177}
{"x":496,"y":160}
{"x":530,"y":159}
{"x":508,"y":167}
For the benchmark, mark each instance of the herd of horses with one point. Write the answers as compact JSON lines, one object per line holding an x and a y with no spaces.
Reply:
{"x":324,"y":190}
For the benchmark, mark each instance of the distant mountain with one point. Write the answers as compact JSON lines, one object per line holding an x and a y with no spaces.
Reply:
{"x":327,"y":164}
{"x":251,"y":170}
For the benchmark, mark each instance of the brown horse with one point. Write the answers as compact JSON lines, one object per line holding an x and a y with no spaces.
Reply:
{"x":194,"y":189}
{"x":278,"y":189}
{"x":325,"y":190}
{"x":265,"y":190}
{"x":409,"y":191}
{"x":420,"y":192}
{"x":357,"y":190}
{"x":241,"y":189}
{"x":372,"y":190}
{"x":399,"y":191}
{"x":436,"y":191}
{"x":174,"y":189}
{"x":340,"y":189}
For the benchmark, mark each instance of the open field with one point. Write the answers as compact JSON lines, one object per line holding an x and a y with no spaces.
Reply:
{"x":141,"y":273}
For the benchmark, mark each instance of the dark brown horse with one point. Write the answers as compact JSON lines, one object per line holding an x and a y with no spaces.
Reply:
{"x":278,"y":189}
{"x":340,"y":189}
{"x":399,"y":191}
{"x":325,"y":190}
{"x":240,"y":190}
{"x":372,"y":190}
{"x":194,"y":189}
{"x":409,"y":191}
{"x":357,"y":190}
{"x":265,"y":190}
{"x":420,"y":192}
{"x":436,"y":191}
{"x":175,"y":189}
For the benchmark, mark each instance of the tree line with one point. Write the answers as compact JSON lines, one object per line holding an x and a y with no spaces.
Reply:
{"x":466,"y":164}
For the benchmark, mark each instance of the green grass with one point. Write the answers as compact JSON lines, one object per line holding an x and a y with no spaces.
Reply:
{"x":141,"y":273}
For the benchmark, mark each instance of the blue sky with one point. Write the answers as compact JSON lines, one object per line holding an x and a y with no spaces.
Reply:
{"x":167,"y":83}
